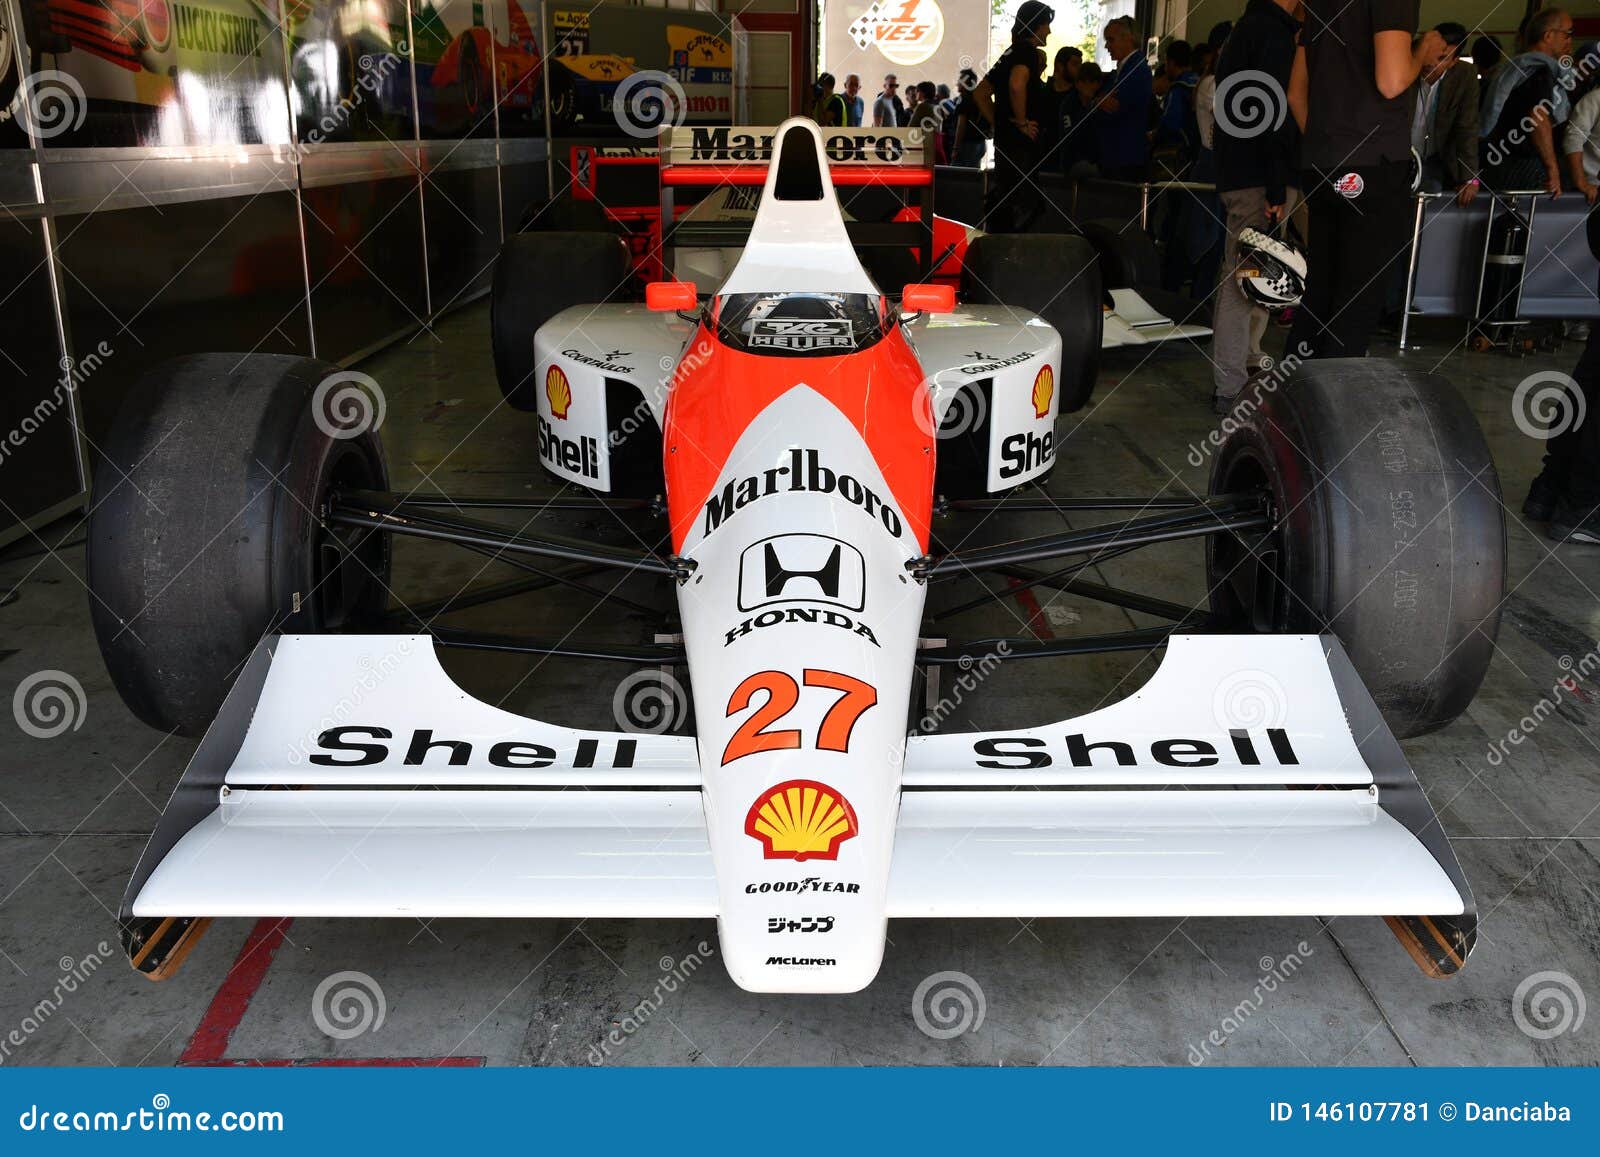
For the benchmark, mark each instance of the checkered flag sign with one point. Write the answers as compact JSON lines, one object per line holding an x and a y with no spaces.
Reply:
{"x":864,"y":29}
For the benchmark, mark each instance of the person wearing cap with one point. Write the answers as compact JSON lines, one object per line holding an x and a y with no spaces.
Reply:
{"x":1003,"y":97}
{"x":1351,"y":92}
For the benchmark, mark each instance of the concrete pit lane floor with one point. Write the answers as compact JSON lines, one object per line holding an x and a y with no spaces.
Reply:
{"x":75,"y":810}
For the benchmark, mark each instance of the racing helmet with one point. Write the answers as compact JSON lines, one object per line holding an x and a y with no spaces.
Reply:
{"x":1272,"y":270}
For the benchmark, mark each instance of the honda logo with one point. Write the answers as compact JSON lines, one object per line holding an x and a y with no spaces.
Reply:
{"x":809,"y":568}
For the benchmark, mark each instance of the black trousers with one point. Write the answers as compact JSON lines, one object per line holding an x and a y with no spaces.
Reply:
{"x":1353,"y":241}
{"x":1013,"y":202}
{"x":1572,"y":461}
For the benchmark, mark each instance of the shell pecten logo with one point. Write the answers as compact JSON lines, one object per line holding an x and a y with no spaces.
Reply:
{"x":1044,"y":388}
{"x":801,"y":819}
{"x":559,"y":392}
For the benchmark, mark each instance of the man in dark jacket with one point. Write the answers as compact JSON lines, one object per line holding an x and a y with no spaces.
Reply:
{"x":1445,"y":129}
{"x":1122,"y":121}
{"x":1254,"y":143}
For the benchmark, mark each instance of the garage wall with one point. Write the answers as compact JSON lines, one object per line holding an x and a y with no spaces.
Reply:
{"x":296,"y":176}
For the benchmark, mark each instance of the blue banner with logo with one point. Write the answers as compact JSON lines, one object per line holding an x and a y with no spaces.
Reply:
{"x":802,"y":1110}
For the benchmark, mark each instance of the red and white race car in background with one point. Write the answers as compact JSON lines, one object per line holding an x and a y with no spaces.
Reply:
{"x":783,"y":434}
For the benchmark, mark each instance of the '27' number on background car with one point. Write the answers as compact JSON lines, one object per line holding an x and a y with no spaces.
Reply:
{"x":783,"y":693}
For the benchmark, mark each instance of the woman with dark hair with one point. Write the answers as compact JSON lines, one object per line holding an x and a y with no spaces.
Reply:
{"x":1003,"y":97}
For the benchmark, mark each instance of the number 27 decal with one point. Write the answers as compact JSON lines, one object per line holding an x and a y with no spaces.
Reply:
{"x":783,"y":693}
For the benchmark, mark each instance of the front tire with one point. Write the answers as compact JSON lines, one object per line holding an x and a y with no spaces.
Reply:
{"x":206,"y":532}
{"x":1390,"y":531}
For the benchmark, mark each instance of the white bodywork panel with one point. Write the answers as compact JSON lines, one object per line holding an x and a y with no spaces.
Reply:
{"x":800,"y":246}
{"x":1233,"y":711}
{"x":1021,"y":354}
{"x":572,"y":841}
{"x":585,"y":345}
{"x":876,"y":645}
{"x":1131,"y":320}
{"x":365,"y":685}
{"x":646,"y":854}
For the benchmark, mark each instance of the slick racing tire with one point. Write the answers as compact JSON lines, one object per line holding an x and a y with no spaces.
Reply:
{"x":1390,"y":532}
{"x":1056,"y":276}
{"x":537,"y":276}
{"x":1127,"y":255}
{"x":206,"y":530}
{"x":567,"y":215}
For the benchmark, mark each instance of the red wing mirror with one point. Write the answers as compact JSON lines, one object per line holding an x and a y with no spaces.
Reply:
{"x":671,"y":296}
{"x":928,"y":298}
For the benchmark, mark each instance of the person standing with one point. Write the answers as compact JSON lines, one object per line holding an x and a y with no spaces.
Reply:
{"x":1064,"y":108}
{"x":1004,"y":97}
{"x":854,"y":106}
{"x":1444,"y":131}
{"x":830,"y":110}
{"x":1351,"y":94}
{"x":926,"y":117}
{"x":888,"y":112}
{"x":1177,"y":129}
{"x":1566,"y":494}
{"x":971,"y":133}
{"x":1079,"y":149}
{"x":947,"y":121}
{"x":1205,"y":98}
{"x":1256,"y":182}
{"x":1124,"y":143}
{"x":1205,"y":233}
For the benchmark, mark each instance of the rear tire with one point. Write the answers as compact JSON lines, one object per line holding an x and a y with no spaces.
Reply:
{"x":1056,"y":276}
{"x":567,"y":214}
{"x":206,"y":534}
{"x":1127,"y":255}
{"x":1391,"y":532}
{"x":537,"y":276}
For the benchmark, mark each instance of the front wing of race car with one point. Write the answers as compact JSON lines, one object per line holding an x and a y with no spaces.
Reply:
{"x":349,"y":776}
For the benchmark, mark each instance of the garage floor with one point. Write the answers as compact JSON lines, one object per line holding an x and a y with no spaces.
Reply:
{"x":77,"y":809}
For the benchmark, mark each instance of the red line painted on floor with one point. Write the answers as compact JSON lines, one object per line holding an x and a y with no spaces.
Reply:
{"x":209,"y":1044}
{"x":1036,"y":620}
{"x":348,"y":1063}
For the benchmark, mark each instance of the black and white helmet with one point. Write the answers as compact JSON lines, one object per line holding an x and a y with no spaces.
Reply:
{"x":1272,"y":271}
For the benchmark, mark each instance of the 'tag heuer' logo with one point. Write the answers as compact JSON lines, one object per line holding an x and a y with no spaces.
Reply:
{"x":1044,"y":387}
{"x":801,"y":819}
{"x":559,"y":391}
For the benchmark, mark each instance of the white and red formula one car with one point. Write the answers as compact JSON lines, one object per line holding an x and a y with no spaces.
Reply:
{"x":785,"y":432}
